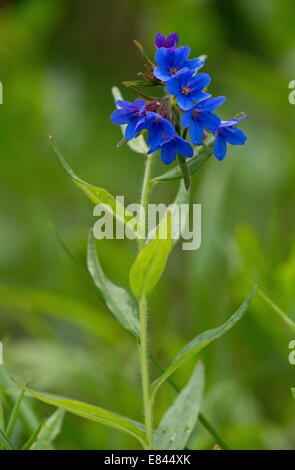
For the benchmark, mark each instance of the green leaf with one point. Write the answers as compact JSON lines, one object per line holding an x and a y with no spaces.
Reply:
{"x":50,"y":430}
{"x":34,"y":300}
{"x":120,"y":303}
{"x":193,"y":165}
{"x":15,"y":413}
{"x":137,"y":144}
{"x":92,"y":413}
{"x":5,"y":441}
{"x":95,"y":194}
{"x":151,"y":260}
{"x":201,"y":341}
{"x":293,"y":392}
{"x":32,"y":438}
{"x":182,"y":197}
{"x":179,"y":421}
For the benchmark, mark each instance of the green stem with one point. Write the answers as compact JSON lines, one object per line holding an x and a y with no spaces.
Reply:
{"x":276,"y":309}
{"x":143,"y":348}
{"x":145,"y":192}
{"x":143,"y":309}
{"x":185,"y":173}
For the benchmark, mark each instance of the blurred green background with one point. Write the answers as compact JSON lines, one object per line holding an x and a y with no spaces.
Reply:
{"x":58,"y":61}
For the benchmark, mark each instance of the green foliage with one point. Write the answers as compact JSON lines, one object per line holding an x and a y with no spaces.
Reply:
{"x":152,"y":258}
{"x":49,"y":431}
{"x":179,"y":420}
{"x":93,"y":413}
{"x":201,"y":341}
{"x":120,"y":303}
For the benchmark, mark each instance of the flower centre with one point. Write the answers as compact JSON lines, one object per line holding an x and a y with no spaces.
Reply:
{"x":173,"y":70}
{"x":185,"y":90}
{"x":195,"y":113}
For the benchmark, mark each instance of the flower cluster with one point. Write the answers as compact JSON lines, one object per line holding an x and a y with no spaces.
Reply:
{"x":186,"y":107}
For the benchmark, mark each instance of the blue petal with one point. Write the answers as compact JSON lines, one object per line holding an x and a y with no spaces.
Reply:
{"x":173,"y":86}
{"x":140,"y":104}
{"x":198,"y":95}
{"x":211,"y":104}
{"x":155,"y":137}
{"x":172,"y":40}
{"x":196,"y":132}
{"x":168,"y":153}
{"x":235,"y":136}
{"x":160,"y":40}
{"x":195,"y":64}
{"x":184,"y":148}
{"x":186,"y":118}
{"x":124,"y":104}
{"x":201,"y":80}
{"x":164,"y":57}
{"x":120,"y":116}
{"x":209,"y":121}
{"x":184,"y":101}
{"x":181,"y":54}
{"x":219,"y":147}
{"x":162,"y":74}
{"x":130,"y":131}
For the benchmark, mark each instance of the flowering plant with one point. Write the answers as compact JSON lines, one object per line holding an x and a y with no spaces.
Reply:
{"x":186,"y":108}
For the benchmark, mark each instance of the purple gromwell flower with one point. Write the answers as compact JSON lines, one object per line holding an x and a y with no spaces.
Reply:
{"x":228,"y":133}
{"x":188,"y":88}
{"x":170,"y":61}
{"x":170,"y":42}
{"x":172,"y":146}
{"x":157,"y":127}
{"x":201,"y":117}
{"x":131,"y":114}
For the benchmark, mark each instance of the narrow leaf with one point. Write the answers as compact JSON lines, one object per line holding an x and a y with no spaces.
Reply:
{"x":293,"y":392}
{"x":15,"y":413}
{"x":193,"y":165}
{"x":120,"y":303}
{"x":179,"y":421}
{"x":32,"y":438}
{"x":50,"y":430}
{"x":95,"y":194}
{"x":151,"y":260}
{"x":37,"y":301}
{"x":5,"y":441}
{"x":137,"y":144}
{"x":201,"y":341}
{"x":92,"y":413}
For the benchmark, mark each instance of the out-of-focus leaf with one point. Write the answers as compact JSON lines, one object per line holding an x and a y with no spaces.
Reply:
{"x":293,"y":392}
{"x":178,"y":224}
{"x":290,"y":323}
{"x":193,"y":165}
{"x":27,"y":415}
{"x":151,"y":260}
{"x":15,"y":413}
{"x":50,"y":430}
{"x":120,"y":303}
{"x":32,"y":438}
{"x":95,"y":194}
{"x":137,"y":144}
{"x":33,"y":300}
{"x":201,"y":341}
{"x":179,"y":421}
{"x":5,"y":441}
{"x":92,"y":413}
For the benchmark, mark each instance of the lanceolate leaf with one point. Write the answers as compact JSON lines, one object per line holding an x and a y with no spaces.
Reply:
{"x":193,"y":165}
{"x":151,"y":260}
{"x":49,"y":431}
{"x":178,"y":224}
{"x":201,"y":341}
{"x":37,"y":301}
{"x":120,"y":303}
{"x":137,"y":144}
{"x":179,"y":421}
{"x":293,"y":392}
{"x":5,"y":441}
{"x":92,"y":413}
{"x":94,"y":194}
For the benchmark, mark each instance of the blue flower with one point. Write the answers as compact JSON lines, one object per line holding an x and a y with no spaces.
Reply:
{"x":228,"y":133}
{"x":131,"y":114}
{"x":188,"y":87}
{"x":170,"y":42}
{"x":172,"y":145}
{"x":157,"y":126}
{"x":200,"y":117}
{"x":170,"y":61}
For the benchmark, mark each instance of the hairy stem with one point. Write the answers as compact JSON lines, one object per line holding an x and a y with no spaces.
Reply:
{"x":143,"y":310}
{"x":143,"y":348}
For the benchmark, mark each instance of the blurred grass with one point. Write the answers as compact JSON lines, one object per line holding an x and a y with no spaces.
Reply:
{"x":59,"y":60}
